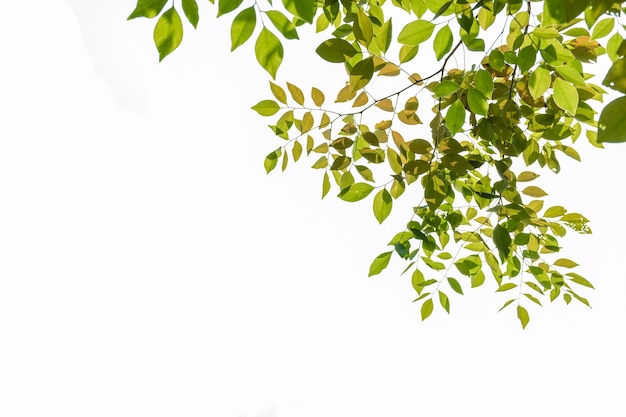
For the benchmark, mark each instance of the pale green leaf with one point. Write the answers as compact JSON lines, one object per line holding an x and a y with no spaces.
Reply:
{"x":443,"y":42}
{"x":427,"y":308}
{"x":266,"y":107}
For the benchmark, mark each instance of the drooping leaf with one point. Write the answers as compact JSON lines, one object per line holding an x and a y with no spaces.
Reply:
{"x":539,"y":82}
{"x":455,"y":117}
{"x":522,"y":315}
{"x":382,"y":205}
{"x":502,"y":240}
{"x":443,"y":42}
{"x":565,"y":95}
{"x":427,"y":308}
{"x":168,"y":33}
{"x":269,"y":51}
{"x":242,"y":27}
{"x":190,"y":8}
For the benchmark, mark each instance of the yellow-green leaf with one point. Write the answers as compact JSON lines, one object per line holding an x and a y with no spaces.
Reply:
{"x":269,"y":51}
{"x":242,"y":27}
{"x":382,"y":205}
{"x":168,"y":33}
{"x":565,"y":95}
{"x":147,"y":8}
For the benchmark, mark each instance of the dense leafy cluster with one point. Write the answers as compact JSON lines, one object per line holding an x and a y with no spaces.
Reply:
{"x":519,"y":102}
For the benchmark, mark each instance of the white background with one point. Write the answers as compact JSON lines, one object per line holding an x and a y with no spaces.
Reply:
{"x":149,"y":267}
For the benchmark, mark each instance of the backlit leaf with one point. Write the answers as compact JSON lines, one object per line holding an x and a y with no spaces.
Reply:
{"x":266,"y":107}
{"x":522,"y":315}
{"x":443,"y":42}
{"x":382,"y":205}
{"x":534,"y":191}
{"x":565,"y":95}
{"x":455,"y":117}
{"x":427,"y":309}
{"x":356,"y":192}
{"x":612,"y":123}
{"x":269,"y":51}
{"x":168,"y":33}
{"x":147,"y":8}
{"x":284,"y":25}
{"x":379,"y":263}
{"x":416,"y":32}
{"x":227,"y":6}
{"x":242,"y":27}
{"x":336,"y":50}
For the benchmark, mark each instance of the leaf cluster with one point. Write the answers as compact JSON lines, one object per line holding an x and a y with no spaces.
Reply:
{"x":468,"y":142}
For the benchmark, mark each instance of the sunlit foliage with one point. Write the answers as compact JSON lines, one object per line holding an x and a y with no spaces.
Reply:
{"x":504,"y":92}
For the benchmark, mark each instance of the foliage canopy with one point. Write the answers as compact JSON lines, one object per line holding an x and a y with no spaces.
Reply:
{"x":520,"y":101}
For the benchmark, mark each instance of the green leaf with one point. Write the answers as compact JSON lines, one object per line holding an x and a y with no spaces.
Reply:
{"x":296,"y":93}
{"x":477,"y":102}
{"x":383,"y":36}
{"x":382,"y":205}
{"x":502,"y":239}
{"x":361,"y":74}
{"x":455,"y":117}
{"x":325,"y":185}
{"x":304,"y":9}
{"x":168,"y":33}
{"x":602,"y":28}
{"x":506,"y":287}
{"x":455,"y":285}
{"x":379,"y":263}
{"x":407,"y":53}
{"x":444,"y":301}
{"x":522,"y":315}
{"x":416,"y":32}
{"x":147,"y":8}
{"x":269,"y":51}
{"x":570,"y":74}
{"x":362,"y":28}
{"x":227,"y":6}
{"x":445,"y":88}
{"x":562,"y":11}
{"x":539,"y":82}
{"x":484,"y":82}
{"x":284,"y":25}
{"x":612,"y":123}
{"x":356,"y":192}
{"x":526,"y":58}
{"x":565,"y":263}
{"x":506,"y":305}
{"x":190,"y":8}
{"x":242,"y":27}
{"x":565,"y":95}
{"x":427,"y":308}
{"x":271,"y":160}
{"x":616,"y":77}
{"x":336,"y":50}
{"x":555,"y":211}
{"x":534,"y":191}
{"x":266,"y":107}
{"x":443,"y":42}
{"x":574,"y":277}
{"x":526,"y":176}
